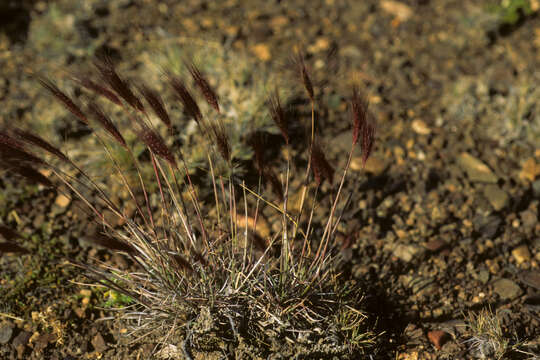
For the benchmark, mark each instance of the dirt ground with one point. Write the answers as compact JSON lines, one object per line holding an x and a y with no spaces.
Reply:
{"x":443,"y":223}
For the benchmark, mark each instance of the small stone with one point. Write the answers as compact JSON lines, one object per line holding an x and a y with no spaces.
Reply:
{"x":531,"y":278}
{"x":261,"y":51}
{"x":476,"y":170}
{"x":483,"y":276}
{"x":406,"y":252}
{"x":420,"y":127}
{"x":374,"y":165}
{"x":401,"y":11}
{"x":521,"y":254}
{"x":496,"y":197}
{"x":98,"y":343}
{"x":6,"y":330}
{"x":62,"y":200}
{"x":435,"y":244}
{"x":530,"y":170}
{"x":506,"y":289}
{"x":536,"y":188}
{"x":528,"y":218}
{"x":438,"y":338}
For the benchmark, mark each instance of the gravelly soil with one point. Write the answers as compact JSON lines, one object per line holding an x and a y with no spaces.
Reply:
{"x":444,"y":223}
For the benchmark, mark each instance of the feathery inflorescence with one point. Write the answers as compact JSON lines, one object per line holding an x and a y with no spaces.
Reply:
{"x":306,"y":80}
{"x":36,"y":140}
{"x":156,"y":143}
{"x":322,"y":170}
{"x":106,"y":123}
{"x":279,"y":116}
{"x":111,"y":243}
{"x":156,"y":103}
{"x":368,"y":139}
{"x":64,"y":99}
{"x":359,"y":107}
{"x":189,"y":103}
{"x":119,"y":85}
{"x":203,"y":85}
{"x":98,"y":89}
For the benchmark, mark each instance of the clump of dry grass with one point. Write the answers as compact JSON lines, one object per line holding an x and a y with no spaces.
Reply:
{"x":203,"y":271}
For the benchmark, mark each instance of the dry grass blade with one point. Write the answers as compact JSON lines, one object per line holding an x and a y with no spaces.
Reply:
{"x":7,"y":247}
{"x":368,"y":139}
{"x":9,"y":234}
{"x":156,"y":144}
{"x":322,"y":170}
{"x":35,"y":140}
{"x":107,"y":124}
{"x":203,"y":85}
{"x":359,"y":107}
{"x":279,"y":116}
{"x":98,"y":89}
{"x":189,"y":103}
{"x":156,"y":103}
{"x":111,"y":243}
{"x":119,"y":85}
{"x":64,"y":99}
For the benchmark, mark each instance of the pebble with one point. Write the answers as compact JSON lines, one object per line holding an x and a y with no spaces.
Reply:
{"x":496,"y":197}
{"x":531,"y":278}
{"x":6,"y":330}
{"x":98,"y":343}
{"x":62,"y":200}
{"x":420,"y":127}
{"x":521,"y":254}
{"x":438,"y":338}
{"x":406,"y":252}
{"x":374,"y":165}
{"x":506,"y":289}
{"x":529,"y":170}
{"x":261,"y":51}
{"x":476,"y":170}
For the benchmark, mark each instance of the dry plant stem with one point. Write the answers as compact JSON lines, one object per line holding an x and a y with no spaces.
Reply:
{"x":305,"y":188}
{"x":285,"y":250}
{"x":327,"y":233}
{"x":216,"y":197}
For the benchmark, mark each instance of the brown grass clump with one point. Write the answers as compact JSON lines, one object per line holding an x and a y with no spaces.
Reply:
{"x":204,"y":257}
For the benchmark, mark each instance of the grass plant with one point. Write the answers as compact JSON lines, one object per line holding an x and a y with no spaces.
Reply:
{"x":202,"y":272}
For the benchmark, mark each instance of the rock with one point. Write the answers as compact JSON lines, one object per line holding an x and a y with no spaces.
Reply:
{"x":420,"y":127}
{"x":20,"y":341}
{"x":438,"y":338}
{"x":374,"y":165}
{"x":62,"y":200}
{"x":506,"y":289}
{"x":261,"y":51}
{"x":483,"y":276}
{"x":98,"y":343}
{"x":529,"y":170}
{"x":521,"y":254}
{"x":536,"y":188}
{"x":528,"y":218}
{"x":531,"y":278}
{"x":435,"y":244}
{"x":476,"y":170}
{"x":496,"y":197}
{"x":401,"y":11}
{"x":6,"y":330}
{"x":406,"y":252}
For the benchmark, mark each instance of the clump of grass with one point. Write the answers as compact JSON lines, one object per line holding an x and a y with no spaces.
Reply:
{"x":489,"y":339}
{"x":201,"y":271}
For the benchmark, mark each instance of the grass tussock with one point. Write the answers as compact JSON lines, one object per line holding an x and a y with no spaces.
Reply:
{"x":203,"y":272}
